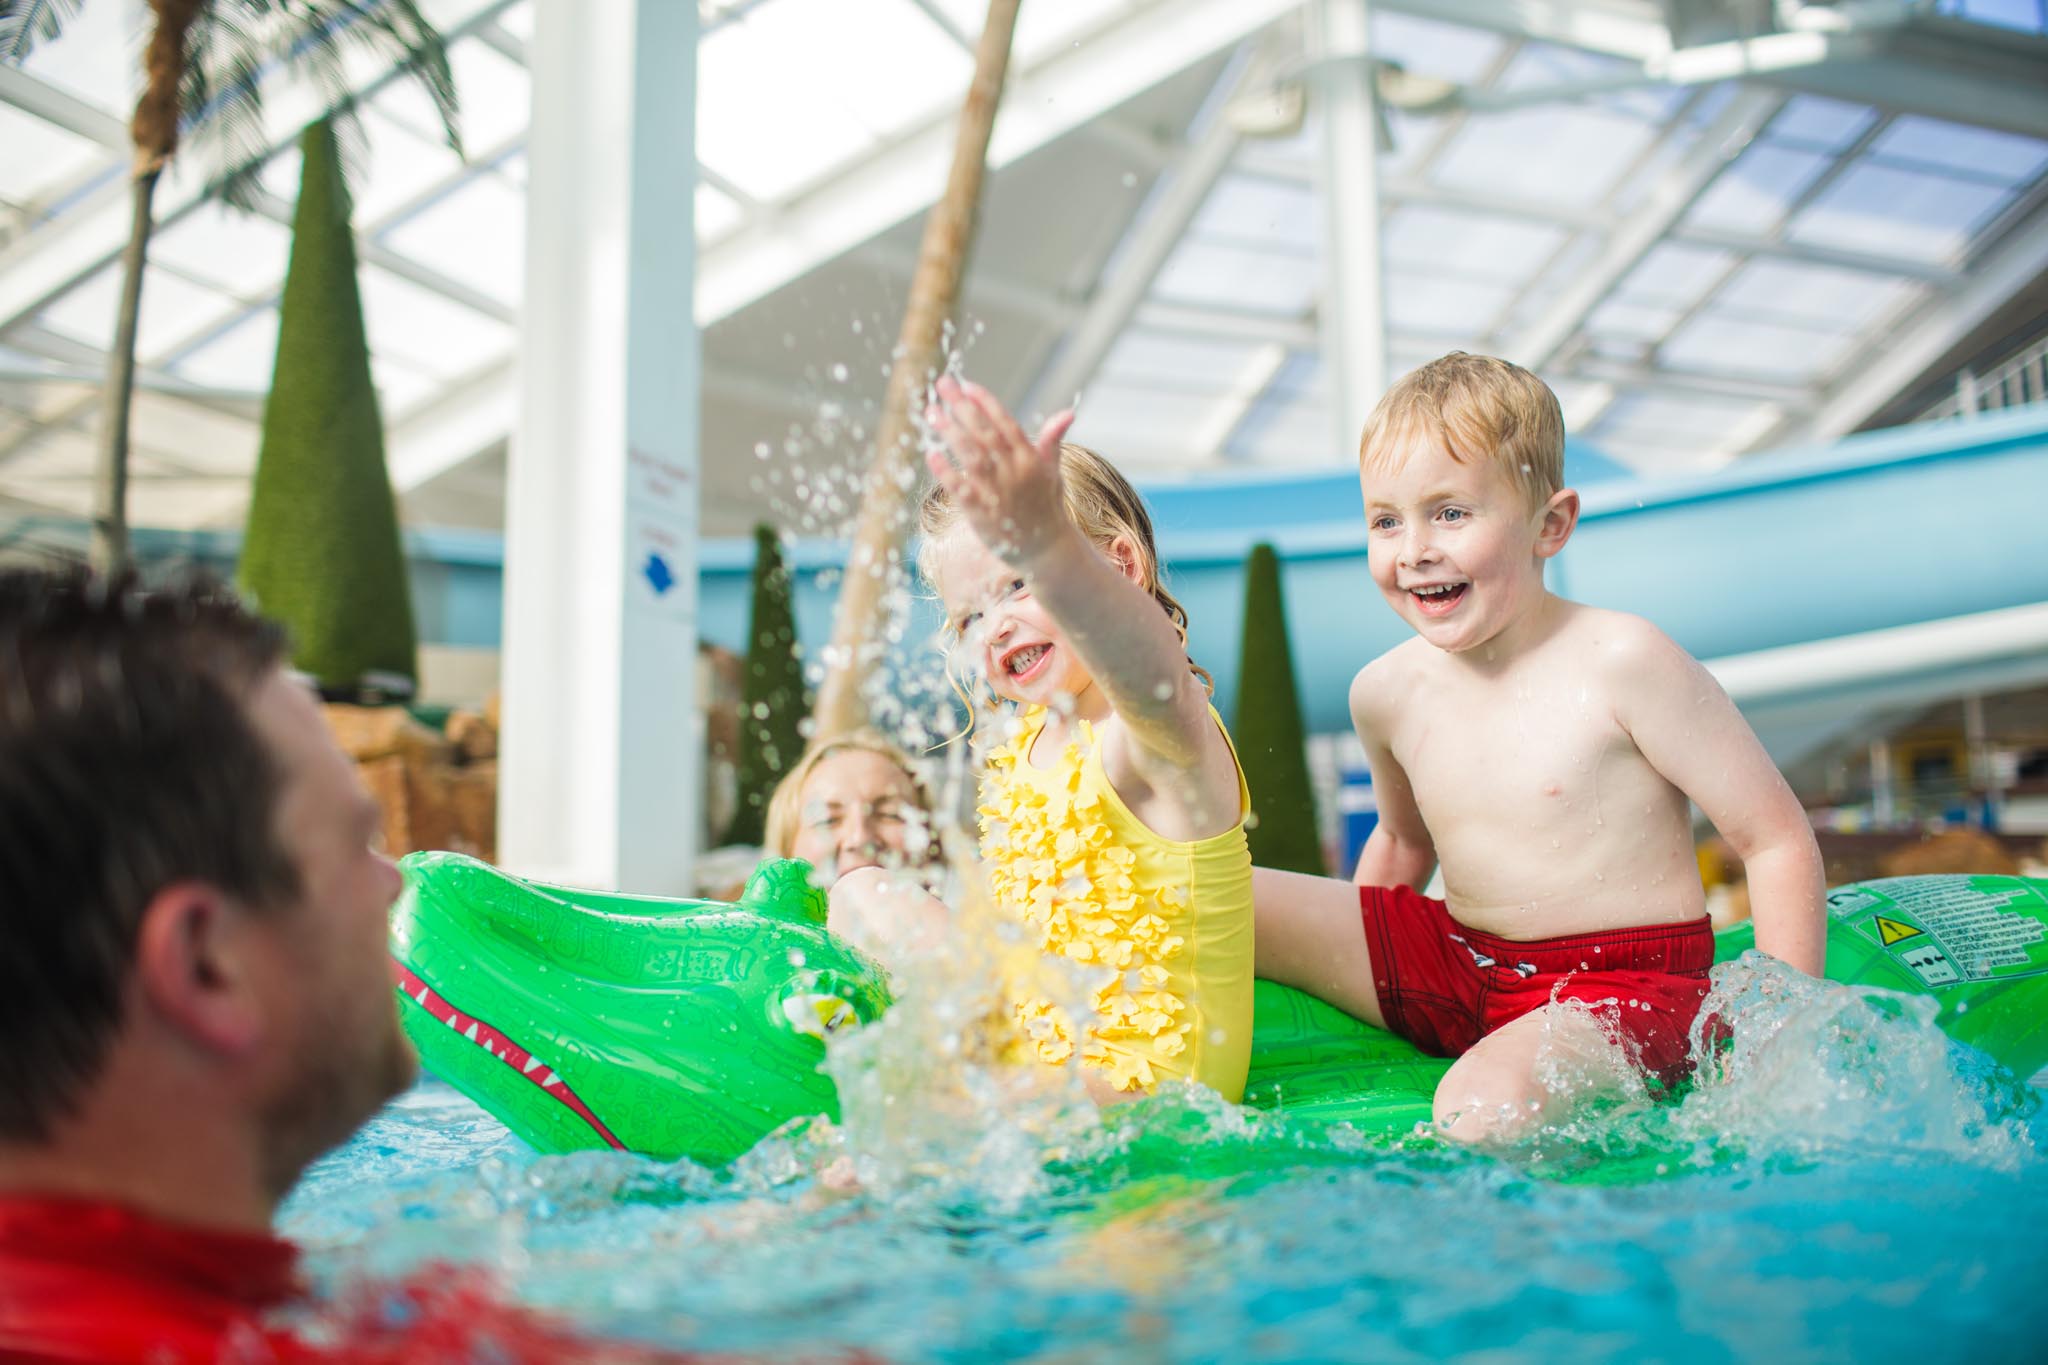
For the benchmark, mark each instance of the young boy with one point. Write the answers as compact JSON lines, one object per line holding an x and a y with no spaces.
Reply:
{"x":1543,"y":753}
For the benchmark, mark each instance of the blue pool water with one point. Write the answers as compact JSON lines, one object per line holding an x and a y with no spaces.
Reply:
{"x":1846,"y":1185}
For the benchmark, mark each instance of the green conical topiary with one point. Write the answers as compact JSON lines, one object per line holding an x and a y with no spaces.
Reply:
{"x":772,"y":700}
{"x":1268,"y":728}
{"x":322,"y":552}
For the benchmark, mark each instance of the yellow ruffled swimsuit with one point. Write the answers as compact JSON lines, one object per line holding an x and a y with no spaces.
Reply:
{"x":1163,"y":926}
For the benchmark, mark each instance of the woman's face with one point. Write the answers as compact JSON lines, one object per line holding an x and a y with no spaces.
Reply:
{"x":858,"y":809}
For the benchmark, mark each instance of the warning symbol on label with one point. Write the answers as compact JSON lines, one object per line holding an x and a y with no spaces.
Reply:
{"x":1893,"y":931}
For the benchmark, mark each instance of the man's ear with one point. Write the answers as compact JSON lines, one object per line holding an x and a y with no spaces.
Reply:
{"x":1559,"y":517}
{"x":195,"y":967}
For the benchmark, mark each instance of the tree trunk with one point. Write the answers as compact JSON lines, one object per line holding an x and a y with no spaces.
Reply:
{"x":875,"y":562}
{"x":110,"y":474}
{"x":155,"y":130}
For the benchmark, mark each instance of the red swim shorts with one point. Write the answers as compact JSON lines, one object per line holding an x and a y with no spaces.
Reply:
{"x":1443,"y":986}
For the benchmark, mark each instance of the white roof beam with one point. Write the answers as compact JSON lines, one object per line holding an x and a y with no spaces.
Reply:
{"x":1634,"y":29}
{"x":1229,"y":324}
{"x":472,"y":416}
{"x":42,"y":265}
{"x":60,"y":107}
{"x":1693,"y":383}
{"x":1748,"y":244}
{"x":1539,"y":343}
{"x":1897,"y":358}
{"x":1159,"y":229}
{"x":1064,"y":93}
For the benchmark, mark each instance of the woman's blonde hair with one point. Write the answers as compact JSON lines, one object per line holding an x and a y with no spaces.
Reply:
{"x":1104,"y":505}
{"x":785,"y":807}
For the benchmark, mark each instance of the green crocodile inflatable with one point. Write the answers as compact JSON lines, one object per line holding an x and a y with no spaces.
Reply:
{"x":672,"y":1028}
{"x":693,"y":1028}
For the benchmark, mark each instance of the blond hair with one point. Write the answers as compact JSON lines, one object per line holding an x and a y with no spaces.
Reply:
{"x":785,"y":807}
{"x":1104,"y":505}
{"x":1480,"y":408}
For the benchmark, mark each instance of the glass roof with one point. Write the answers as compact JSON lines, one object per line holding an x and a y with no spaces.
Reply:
{"x":1702,"y":270}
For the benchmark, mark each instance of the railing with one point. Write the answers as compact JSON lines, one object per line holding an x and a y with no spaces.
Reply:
{"x":2019,"y":380}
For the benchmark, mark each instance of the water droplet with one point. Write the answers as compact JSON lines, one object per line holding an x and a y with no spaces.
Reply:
{"x":839,"y":373}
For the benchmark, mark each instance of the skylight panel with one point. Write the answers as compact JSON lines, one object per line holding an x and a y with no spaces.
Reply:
{"x":762,"y":126}
{"x":1458,"y":310}
{"x":440,"y":336}
{"x":1480,"y":245}
{"x":1554,"y":153}
{"x":497,"y":96}
{"x":717,"y":214}
{"x":38,"y":158}
{"x":1142,"y":356}
{"x":398,"y":167}
{"x":883,"y":62}
{"x":1819,"y":124}
{"x":196,"y":437}
{"x":1634,"y":321}
{"x":1667,"y":425}
{"x":1429,"y":48}
{"x":475,"y":234}
{"x":1826,"y":297}
{"x":1721,"y":344}
{"x":1949,"y":148}
{"x":1259,"y":211}
{"x":98,"y":57}
{"x":173,"y":310}
{"x":239,"y":252}
{"x":240,"y":357}
{"x":1675,"y":274}
{"x":401,"y":386}
{"x":1753,"y":194}
{"x":2024,"y":15}
{"x":1139,"y":424}
{"x":1282,"y":429}
{"x":1235,"y":277}
{"x":1043,"y":26}
{"x":1893,"y":212}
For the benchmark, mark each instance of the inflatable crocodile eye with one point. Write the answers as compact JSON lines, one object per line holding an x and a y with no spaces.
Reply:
{"x":820,"y":1016}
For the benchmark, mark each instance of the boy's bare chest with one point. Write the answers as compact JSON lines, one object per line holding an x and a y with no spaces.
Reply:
{"x":1529,"y":756}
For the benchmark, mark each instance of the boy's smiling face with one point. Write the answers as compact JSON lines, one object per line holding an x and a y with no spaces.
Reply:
{"x":1454,"y":545}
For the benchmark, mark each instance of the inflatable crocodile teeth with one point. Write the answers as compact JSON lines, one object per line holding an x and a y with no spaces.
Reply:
{"x":671,"y":1028}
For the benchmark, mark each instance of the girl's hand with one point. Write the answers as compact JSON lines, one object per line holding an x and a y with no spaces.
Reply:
{"x":1006,"y":484}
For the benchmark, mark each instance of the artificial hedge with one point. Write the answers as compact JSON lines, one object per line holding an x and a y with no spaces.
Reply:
{"x":1268,"y":728}
{"x":322,"y":550}
{"x":772,"y":699}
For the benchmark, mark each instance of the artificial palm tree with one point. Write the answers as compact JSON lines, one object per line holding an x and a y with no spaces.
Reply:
{"x":204,"y":69}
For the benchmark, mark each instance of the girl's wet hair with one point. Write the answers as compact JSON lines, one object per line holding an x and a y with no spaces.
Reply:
{"x":1104,"y":505}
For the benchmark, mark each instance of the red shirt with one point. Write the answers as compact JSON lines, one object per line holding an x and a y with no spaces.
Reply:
{"x":101,"y":1283}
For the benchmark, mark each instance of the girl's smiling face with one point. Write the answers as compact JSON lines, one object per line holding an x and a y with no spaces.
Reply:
{"x":1001,"y":628}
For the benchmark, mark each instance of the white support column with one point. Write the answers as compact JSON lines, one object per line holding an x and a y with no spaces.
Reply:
{"x":600,"y":775}
{"x":1353,"y":315}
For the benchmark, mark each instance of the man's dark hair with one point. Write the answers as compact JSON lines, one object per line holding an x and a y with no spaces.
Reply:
{"x":128,"y":762}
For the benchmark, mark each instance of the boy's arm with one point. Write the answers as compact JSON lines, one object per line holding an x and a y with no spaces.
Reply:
{"x":1399,"y":851}
{"x":1689,"y":730}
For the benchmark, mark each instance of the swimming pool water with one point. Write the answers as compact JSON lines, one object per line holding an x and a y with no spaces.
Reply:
{"x":1845,"y":1185}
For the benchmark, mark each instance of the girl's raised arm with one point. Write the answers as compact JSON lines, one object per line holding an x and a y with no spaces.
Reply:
{"x":1007,"y":486}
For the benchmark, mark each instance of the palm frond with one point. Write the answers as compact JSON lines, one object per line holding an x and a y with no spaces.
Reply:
{"x":24,"y":23}
{"x":240,"y":43}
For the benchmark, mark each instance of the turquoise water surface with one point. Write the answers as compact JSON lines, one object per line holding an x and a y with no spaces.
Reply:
{"x":1846,"y":1185}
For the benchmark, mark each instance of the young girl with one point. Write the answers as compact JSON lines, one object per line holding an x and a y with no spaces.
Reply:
{"x":1112,"y":820}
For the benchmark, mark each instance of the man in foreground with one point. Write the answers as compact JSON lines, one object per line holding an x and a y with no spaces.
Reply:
{"x":194,"y":993}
